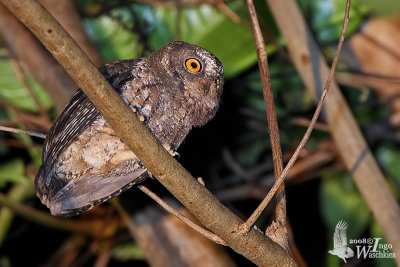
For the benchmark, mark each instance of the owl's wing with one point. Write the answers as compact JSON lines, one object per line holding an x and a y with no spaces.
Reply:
{"x":82,"y":195}
{"x":77,"y":116}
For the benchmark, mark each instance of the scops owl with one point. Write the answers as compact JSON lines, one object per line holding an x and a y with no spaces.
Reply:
{"x":84,"y":163}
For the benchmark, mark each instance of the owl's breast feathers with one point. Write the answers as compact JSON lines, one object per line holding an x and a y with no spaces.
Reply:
{"x":84,"y":163}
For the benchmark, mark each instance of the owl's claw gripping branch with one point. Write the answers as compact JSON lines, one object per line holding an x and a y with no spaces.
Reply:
{"x":143,"y":117}
{"x":171,"y":150}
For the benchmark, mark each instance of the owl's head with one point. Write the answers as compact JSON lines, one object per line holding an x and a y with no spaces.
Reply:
{"x":195,"y":73}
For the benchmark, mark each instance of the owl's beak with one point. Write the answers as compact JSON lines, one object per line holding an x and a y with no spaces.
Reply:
{"x":206,"y":90}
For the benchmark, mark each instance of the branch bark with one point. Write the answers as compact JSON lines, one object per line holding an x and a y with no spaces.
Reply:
{"x":313,"y":69}
{"x":307,"y":134}
{"x":67,"y":15}
{"x":203,"y":205}
{"x":277,"y":230}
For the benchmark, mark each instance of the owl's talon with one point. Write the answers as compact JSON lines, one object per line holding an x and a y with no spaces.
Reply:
{"x":141,"y":115}
{"x":142,"y":118}
{"x":201,"y":181}
{"x":170,"y":150}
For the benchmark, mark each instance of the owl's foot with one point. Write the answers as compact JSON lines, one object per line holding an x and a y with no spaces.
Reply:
{"x":201,"y":181}
{"x":140,"y":113}
{"x":171,"y":150}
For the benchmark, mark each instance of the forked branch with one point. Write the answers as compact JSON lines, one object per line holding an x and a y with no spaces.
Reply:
{"x":280,"y":235}
{"x":251,"y":220}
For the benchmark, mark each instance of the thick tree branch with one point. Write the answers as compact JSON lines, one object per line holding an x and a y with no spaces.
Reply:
{"x":67,"y":15}
{"x":203,"y":205}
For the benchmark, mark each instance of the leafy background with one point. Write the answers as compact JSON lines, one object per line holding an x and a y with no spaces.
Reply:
{"x":317,"y":198}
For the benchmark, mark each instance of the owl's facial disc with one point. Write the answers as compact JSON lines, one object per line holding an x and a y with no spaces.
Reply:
{"x":192,"y":69}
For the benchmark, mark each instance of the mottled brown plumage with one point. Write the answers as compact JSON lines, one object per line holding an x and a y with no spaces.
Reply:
{"x":84,"y":163}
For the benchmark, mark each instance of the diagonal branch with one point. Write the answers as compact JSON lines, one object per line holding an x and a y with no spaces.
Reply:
{"x":202,"y":204}
{"x":21,"y":131}
{"x":183,"y":218}
{"x":303,"y":141}
{"x":280,"y":233}
{"x":353,"y":148}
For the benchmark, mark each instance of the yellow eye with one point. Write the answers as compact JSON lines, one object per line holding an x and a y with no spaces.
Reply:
{"x":193,"y":65}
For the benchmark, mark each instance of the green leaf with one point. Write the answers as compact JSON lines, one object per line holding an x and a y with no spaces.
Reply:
{"x":127,"y":251}
{"x":111,"y":37}
{"x":34,"y":150}
{"x":378,"y":8}
{"x":13,"y":171}
{"x":15,"y":92}
{"x":204,"y":26}
{"x":332,"y":261}
{"x":389,"y":157}
{"x":5,"y":261}
{"x":19,"y":192}
{"x":327,"y":18}
{"x":232,"y":43}
{"x":340,"y":200}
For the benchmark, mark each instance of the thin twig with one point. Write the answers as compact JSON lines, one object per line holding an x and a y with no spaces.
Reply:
{"x":27,"y":119}
{"x":224,"y":8}
{"x":280,"y":210}
{"x":308,"y":59}
{"x":246,"y":226}
{"x":201,"y":230}
{"x":303,"y":122}
{"x":21,"y":76}
{"x":21,"y":131}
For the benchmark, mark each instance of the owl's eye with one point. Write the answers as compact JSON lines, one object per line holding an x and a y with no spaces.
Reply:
{"x":193,"y":65}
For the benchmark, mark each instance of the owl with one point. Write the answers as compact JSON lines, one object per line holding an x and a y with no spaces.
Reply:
{"x":84,"y":162}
